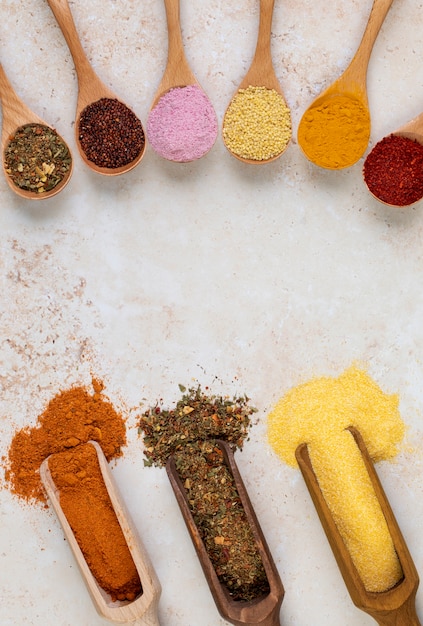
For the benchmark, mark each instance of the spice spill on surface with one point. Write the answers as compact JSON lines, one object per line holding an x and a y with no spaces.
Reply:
{"x":72,"y":417}
{"x":88,"y":509}
{"x":189,"y":432}
{"x":319,"y":413}
{"x":36,"y":158}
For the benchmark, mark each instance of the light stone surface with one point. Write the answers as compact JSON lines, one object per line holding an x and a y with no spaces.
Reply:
{"x":249,"y":279}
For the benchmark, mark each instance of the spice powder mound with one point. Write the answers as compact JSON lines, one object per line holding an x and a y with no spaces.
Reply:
{"x":189,"y":432}
{"x":319,"y":413}
{"x":86,"y":504}
{"x":72,"y":417}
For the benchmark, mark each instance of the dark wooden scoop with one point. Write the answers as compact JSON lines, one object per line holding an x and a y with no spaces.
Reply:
{"x":262,"y":611}
{"x":396,"y":606}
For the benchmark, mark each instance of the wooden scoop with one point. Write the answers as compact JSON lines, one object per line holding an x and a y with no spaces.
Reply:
{"x":90,"y":87}
{"x":178,"y":72}
{"x":143,"y":610}
{"x":15,"y":115}
{"x":262,"y":611}
{"x":261,"y":72}
{"x":396,"y":606}
{"x":353,"y":81}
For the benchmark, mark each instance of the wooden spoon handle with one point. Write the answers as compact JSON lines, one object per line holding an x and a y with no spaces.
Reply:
{"x":178,"y":69}
{"x":63,"y":15}
{"x":377,"y":16}
{"x":15,"y":112}
{"x":265,"y":29}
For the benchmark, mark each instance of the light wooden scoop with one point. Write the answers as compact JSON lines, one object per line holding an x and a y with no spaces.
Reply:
{"x":177,"y":72}
{"x":261,"y":72}
{"x":143,"y":610}
{"x":90,"y":87}
{"x":395,"y":607}
{"x":262,"y":611}
{"x":353,"y":81}
{"x":17,"y":114}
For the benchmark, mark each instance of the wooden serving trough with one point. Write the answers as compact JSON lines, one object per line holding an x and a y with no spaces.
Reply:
{"x":263,"y":610}
{"x":143,"y":610}
{"x":396,"y":606}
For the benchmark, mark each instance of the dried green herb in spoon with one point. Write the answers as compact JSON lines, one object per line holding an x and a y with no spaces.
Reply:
{"x":36,"y":158}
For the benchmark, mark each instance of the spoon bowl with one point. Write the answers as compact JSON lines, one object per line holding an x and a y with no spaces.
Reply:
{"x":182,"y":124}
{"x":399,"y":164}
{"x":261,"y":74}
{"x":263,"y":610}
{"x":352,"y":84}
{"x":141,"y":611}
{"x":90,"y":87}
{"x":17,"y":114}
{"x":396,"y":606}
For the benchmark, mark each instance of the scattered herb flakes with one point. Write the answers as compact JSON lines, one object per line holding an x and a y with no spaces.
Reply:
{"x":189,"y":432}
{"x":36,"y":158}
{"x":221,"y":520}
{"x":196,"y":416}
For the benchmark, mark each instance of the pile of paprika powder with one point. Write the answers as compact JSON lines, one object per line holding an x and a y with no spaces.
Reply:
{"x":71,"y":419}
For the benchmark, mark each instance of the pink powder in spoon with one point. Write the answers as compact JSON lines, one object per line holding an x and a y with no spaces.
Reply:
{"x":183,"y":125}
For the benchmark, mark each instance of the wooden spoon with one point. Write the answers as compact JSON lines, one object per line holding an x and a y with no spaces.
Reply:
{"x":412,"y":130}
{"x":143,"y":610}
{"x":353,"y":81}
{"x":396,"y":606}
{"x":262,"y":611}
{"x":178,"y":72}
{"x":90,"y":87}
{"x":261,"y":72}
{"x":15,"y":115}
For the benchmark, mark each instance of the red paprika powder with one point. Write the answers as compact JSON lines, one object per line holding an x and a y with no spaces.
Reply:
{"x":393,"y":170}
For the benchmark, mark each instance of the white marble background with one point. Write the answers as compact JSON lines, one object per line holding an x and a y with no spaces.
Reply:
{"x":247,"y":279}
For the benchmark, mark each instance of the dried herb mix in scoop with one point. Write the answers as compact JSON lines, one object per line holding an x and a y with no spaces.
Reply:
{"x":36,"y":158}
{"x":196,"y":417}
{"x":189,"y":432}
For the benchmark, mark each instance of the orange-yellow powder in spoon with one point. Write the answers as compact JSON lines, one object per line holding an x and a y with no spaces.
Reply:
{"x":318,"y":413}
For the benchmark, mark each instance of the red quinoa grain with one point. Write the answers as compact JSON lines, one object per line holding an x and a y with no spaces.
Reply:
{"x":110,"y":133}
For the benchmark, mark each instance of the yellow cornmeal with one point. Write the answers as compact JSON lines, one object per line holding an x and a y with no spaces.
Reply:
{"x":318,"y":413}
{"x":257,"y":124}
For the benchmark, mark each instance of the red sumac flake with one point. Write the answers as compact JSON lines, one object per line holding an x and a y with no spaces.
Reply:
{"x":393,"y":170}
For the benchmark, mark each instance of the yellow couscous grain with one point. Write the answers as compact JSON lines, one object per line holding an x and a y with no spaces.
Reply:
{"x":318,"y":413}
{"x":257,"y":124}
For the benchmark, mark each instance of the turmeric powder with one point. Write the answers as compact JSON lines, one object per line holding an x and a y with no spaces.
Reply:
{"x":319,"y":413}
{"x":335,"y":132}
